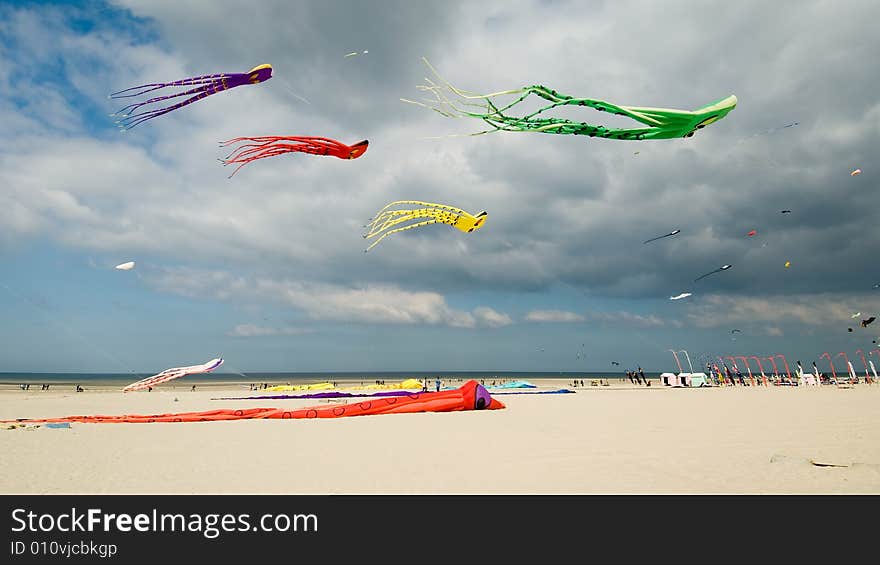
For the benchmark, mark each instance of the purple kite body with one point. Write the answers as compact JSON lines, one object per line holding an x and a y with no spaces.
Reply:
{"x":319,"y":395}
{"x":205,"y":85}
{"x":373,"y":394}
{"x":558,"y":391}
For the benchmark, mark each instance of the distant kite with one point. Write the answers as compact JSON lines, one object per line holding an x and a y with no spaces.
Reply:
{"x":270,"y":146}
{"x":855,"y":172}
{"x":787,"y":264}
{"x":868,"y":321}
{"x":353,"y":53}
{"x":877,"y":285}
{"x":438,"y":213}
{"x":718,"y":270}
{"x":680,"y":296}
{"x":670,"y":234}
{"x":751,"y":233}
{"x":615,"y":363}
{"x":856,"y":315}
{"x":735,"y":331}
{"x":175,"y":373}
{"x":771,"y":130}
{"x":659,"y":123}
{"x":849,"y":329}
{"x":205,"y":86}
{"x":125,"y":266}
{"x":785,"y":211}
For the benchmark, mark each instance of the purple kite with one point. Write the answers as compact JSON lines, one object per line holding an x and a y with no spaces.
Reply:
{"x":337,"y":394}
{"x":331,"y":394}
{"x":205,"y":86}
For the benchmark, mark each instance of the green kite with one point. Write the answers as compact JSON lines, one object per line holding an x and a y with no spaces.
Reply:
{"x":661,"y":123}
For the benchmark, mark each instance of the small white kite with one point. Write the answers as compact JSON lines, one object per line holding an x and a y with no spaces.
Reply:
{"x":125,"y":266}
{"x":680,"y":296}
{"x":174,"y":373}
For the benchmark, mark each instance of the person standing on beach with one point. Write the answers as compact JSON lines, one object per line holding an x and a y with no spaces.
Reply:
{"x":437,"y":384}
{"x":644,"y":378}
{"x":729,"y":376}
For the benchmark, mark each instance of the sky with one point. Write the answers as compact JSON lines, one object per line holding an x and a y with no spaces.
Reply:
{"x":268,"y":269}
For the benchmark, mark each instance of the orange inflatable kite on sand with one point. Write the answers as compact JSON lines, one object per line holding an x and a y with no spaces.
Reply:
{"x":470,"y":396}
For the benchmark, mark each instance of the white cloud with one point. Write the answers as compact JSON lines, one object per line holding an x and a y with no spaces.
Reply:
{"x":630,"y":319}
{"x":252,"y":330}
{"x":553,"y":316}
{"x":813,"y":310}
{"x":490,"y":318}
{"x":379,"y":304}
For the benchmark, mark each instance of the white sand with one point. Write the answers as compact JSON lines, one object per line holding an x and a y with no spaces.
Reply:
{"x":618,"y":439}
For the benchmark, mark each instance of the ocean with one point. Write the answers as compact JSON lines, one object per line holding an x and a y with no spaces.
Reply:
{"x":367,"y":377}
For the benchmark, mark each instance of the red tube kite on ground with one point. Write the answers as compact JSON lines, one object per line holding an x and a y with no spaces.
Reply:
{"x":470,"y":396}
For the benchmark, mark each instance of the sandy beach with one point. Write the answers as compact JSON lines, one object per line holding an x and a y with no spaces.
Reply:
{"x":600,"y":440}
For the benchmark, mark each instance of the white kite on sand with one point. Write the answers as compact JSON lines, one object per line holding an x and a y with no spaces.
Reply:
{"x":175,"y":373}
{"x":125,"y":266}
{"x":680,"y":296}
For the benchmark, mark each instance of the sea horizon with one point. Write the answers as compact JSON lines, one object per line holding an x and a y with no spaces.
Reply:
{"x":15,"y":378}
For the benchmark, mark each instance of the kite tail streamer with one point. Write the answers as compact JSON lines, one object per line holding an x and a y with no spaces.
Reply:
{"x":386,"y":234}
{"x":145,"y":88}
{"x":420,"y":203}
{"x":129,"y":121}
{"x":398,"y":217}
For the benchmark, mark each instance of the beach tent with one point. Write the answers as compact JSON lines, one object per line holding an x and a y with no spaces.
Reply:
{"x":698,"y":379}
{"x":668,"y":379}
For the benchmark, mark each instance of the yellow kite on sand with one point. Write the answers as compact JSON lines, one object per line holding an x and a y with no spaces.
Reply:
{"x":414,"y":384}
{"x":287,"y":388}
